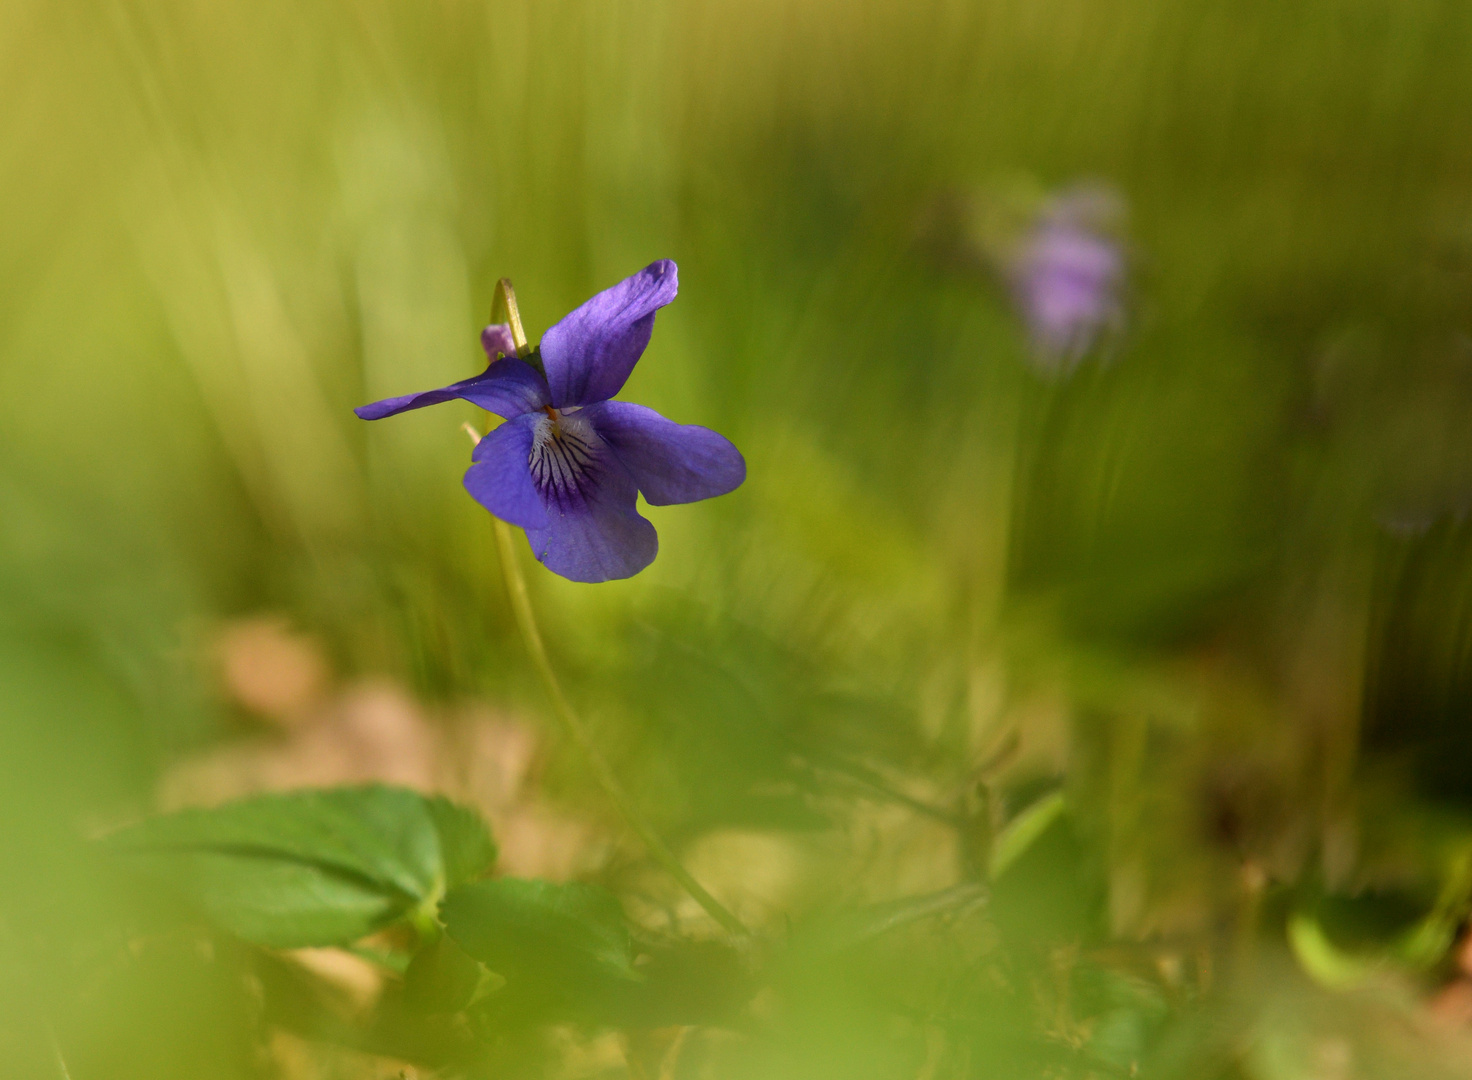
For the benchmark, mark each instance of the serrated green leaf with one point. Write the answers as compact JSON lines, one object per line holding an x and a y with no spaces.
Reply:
{"x":278,"y":902}
{"x":567,"y":936}
{"x":318,"y":867}
{"x":466,"y":848}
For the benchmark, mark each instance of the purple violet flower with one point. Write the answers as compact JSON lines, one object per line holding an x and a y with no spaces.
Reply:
{"x":1067,"y":275}
{"x":568,"y":463}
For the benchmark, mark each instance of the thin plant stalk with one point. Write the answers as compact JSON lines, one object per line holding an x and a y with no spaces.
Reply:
{"x":526,"y":622}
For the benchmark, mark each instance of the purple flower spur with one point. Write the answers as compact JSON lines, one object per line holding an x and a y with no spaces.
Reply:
{"x":568,"y":463}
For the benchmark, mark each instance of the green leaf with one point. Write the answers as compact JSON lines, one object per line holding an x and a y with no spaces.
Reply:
{"x":442,"y":977}
{"x":313,"y":867}
{"x":466,"y":847}
{"x":569,"y":937}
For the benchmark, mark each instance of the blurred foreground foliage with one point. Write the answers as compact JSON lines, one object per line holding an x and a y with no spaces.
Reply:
{"x":1108,"y":725}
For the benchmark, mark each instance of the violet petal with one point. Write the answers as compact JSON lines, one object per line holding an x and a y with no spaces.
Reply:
{"x":500,"y":478}
{"x":508,"y":388}
{"x":671,"y":463}
{"x":590,"y":352}
{"x":594,"y":532}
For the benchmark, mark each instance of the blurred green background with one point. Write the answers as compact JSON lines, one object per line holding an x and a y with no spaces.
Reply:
{"x":1214,"y":584}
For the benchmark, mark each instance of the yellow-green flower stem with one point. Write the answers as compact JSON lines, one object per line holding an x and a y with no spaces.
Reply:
{"x":531,"y":636}
{"x":526,"y":622}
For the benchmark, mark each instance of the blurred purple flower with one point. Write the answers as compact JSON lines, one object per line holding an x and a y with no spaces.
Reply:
{"x":568,"y":463}
{"x":1067,"y":275}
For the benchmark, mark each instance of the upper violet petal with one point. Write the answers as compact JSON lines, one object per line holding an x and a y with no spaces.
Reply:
{"x":508,"y":388}
{"x":497,"y":341}
{"x":671,"y":463}
{"x":500,"y":477}
{"x":590,"y":352}
{"x":600,"y":539}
